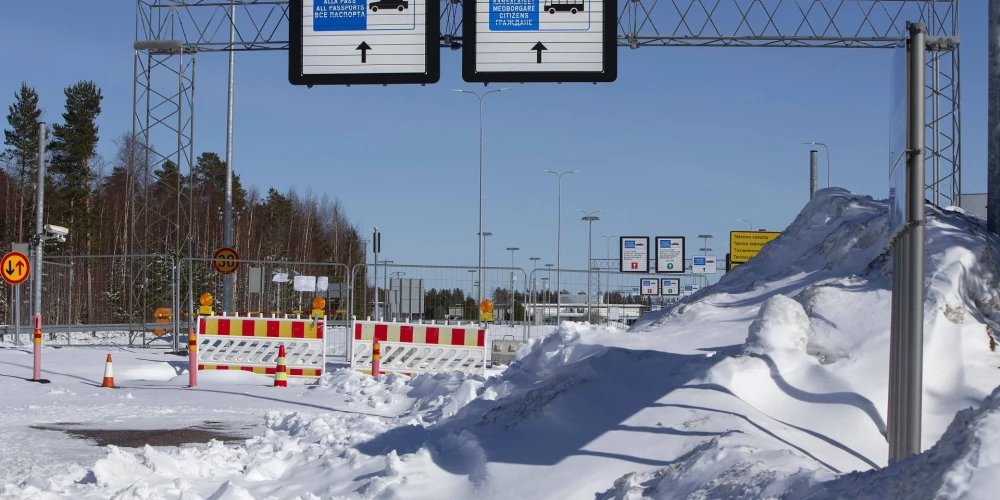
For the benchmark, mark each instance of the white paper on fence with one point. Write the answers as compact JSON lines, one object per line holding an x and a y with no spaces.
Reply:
{"x":304,"y":283}
{"x":322,"y":283}
{"x":280,"y":278}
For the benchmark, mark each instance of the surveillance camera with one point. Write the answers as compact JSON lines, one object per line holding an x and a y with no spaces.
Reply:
{"x":56,"y":230}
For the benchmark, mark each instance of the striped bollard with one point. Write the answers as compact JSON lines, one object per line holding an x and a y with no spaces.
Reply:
{"x":281,"y":371}
{"x":37,"y":372}
{"x":192,"y":358}
{"x":376,"y":355}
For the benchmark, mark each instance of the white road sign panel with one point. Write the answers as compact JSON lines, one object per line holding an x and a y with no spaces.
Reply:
{"x":703,"y":264}
{"x":364,"y":41}
{"x":670,"y":286}
{"x":649,"y":287}
{"x":634,"y":254}
{"x":670,"y":253}
{"x":540,"y":40}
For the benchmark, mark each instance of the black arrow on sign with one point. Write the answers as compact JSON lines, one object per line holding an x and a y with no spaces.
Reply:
{"x":364,"y":48}
{"x":538,"y":48}
{"x":10,"y":269}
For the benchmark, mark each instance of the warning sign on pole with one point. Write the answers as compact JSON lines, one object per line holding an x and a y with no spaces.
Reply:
{"x":15,"y":268}
{"x":225,"y":260}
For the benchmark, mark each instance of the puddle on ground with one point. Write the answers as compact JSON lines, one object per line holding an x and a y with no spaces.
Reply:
{"x":137,"y":438}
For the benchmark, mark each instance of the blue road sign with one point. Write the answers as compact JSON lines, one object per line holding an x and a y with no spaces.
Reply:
{"x":629,"y":243}
{"x":539,"y":15}
{"x":635,"y":289}
{"x":665,"y":243}
{"x":340,"y":15}
{"x":363,"y":15}
{"x":699,"y":261}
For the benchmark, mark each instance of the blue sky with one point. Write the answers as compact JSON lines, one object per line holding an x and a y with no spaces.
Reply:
{"x":685,"y":142}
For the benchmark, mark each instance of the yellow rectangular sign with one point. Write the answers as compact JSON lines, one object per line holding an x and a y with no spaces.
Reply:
{"x":744,"y":245}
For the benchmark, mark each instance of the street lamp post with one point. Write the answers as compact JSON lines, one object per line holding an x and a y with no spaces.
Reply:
{"x":534,"y":289}
{"x":511,"y":297}
{"x":827,"y":159}
{"x":748,"y":222}
{"x":607,"y":256}
{"x":559,"y":244}
{"x":589,"y":219}
{"x":481,"y":237}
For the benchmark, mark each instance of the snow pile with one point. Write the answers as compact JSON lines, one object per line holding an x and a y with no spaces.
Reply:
{"x":781,"y":324}
{"x":771,"y":383}
{"x":964,"y":464}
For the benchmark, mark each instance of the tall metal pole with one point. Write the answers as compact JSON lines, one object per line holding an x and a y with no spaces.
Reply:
{"x":589,"y":218}
{"x":590,"y":244}
{"x":512,"y":250}
{"x":813,"y":172}
{"x":559,"y":254}
{"x":827,"y":148}
{"x":375,"y":248}
{"x":39,"y":239}
{"x":227,"y":218}
{"x":481,"y":237}
{"x":559,"y":244}
{"x":915,"y":268}
{"x":993,"y":121}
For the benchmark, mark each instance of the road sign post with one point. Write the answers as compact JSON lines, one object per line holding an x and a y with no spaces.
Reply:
{"x":670,"y":286}
{"x":634,"y":254}
{"x":358,"y":42}
{"x":540,"y":41}
{"x":670,"y":254}
{"x":225,"y":261}
{"x":744,"y":245}
{"x":15,"y":267}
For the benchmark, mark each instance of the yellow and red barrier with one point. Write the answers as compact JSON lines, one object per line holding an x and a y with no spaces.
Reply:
{"x":252,"y":345}
{"x":383,"y":347}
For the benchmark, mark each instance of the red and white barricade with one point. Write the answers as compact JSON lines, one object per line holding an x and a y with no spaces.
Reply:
{"x":415,"y":348}
{"x":251,"y":344}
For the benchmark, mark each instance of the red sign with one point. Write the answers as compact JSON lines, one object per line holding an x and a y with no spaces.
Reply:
{"x":225,"y":260}
{"x":15,"y":268}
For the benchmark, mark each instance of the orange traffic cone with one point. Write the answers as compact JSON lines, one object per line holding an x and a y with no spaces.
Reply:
{"x":280,"y":372}
{"x":109,"y":374}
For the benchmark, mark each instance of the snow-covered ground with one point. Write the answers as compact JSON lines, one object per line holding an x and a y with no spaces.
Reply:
{"x":771,"y":383}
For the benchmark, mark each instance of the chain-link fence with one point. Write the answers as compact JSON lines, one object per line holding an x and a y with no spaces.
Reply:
{"x":119,"y":294}
{"x":270,"y":288}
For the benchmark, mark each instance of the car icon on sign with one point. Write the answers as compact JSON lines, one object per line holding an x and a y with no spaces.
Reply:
{"x":399,"y":5}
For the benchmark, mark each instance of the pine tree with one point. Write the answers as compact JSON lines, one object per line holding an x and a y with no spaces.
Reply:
{"x":23,"y":118}
{"x":74,"y":146}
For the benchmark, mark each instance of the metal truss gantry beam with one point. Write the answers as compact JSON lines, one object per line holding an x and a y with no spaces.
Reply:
{"x":204,"y":26}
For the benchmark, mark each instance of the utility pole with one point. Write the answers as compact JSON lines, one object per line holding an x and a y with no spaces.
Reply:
{"x":39,"y":240}
{"x":227,"y":223}
{"x":813,"y":172}
{"x":993,"y":121}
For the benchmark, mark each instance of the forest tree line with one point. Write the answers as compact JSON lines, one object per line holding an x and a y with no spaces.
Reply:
{"x":135,"y":203}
